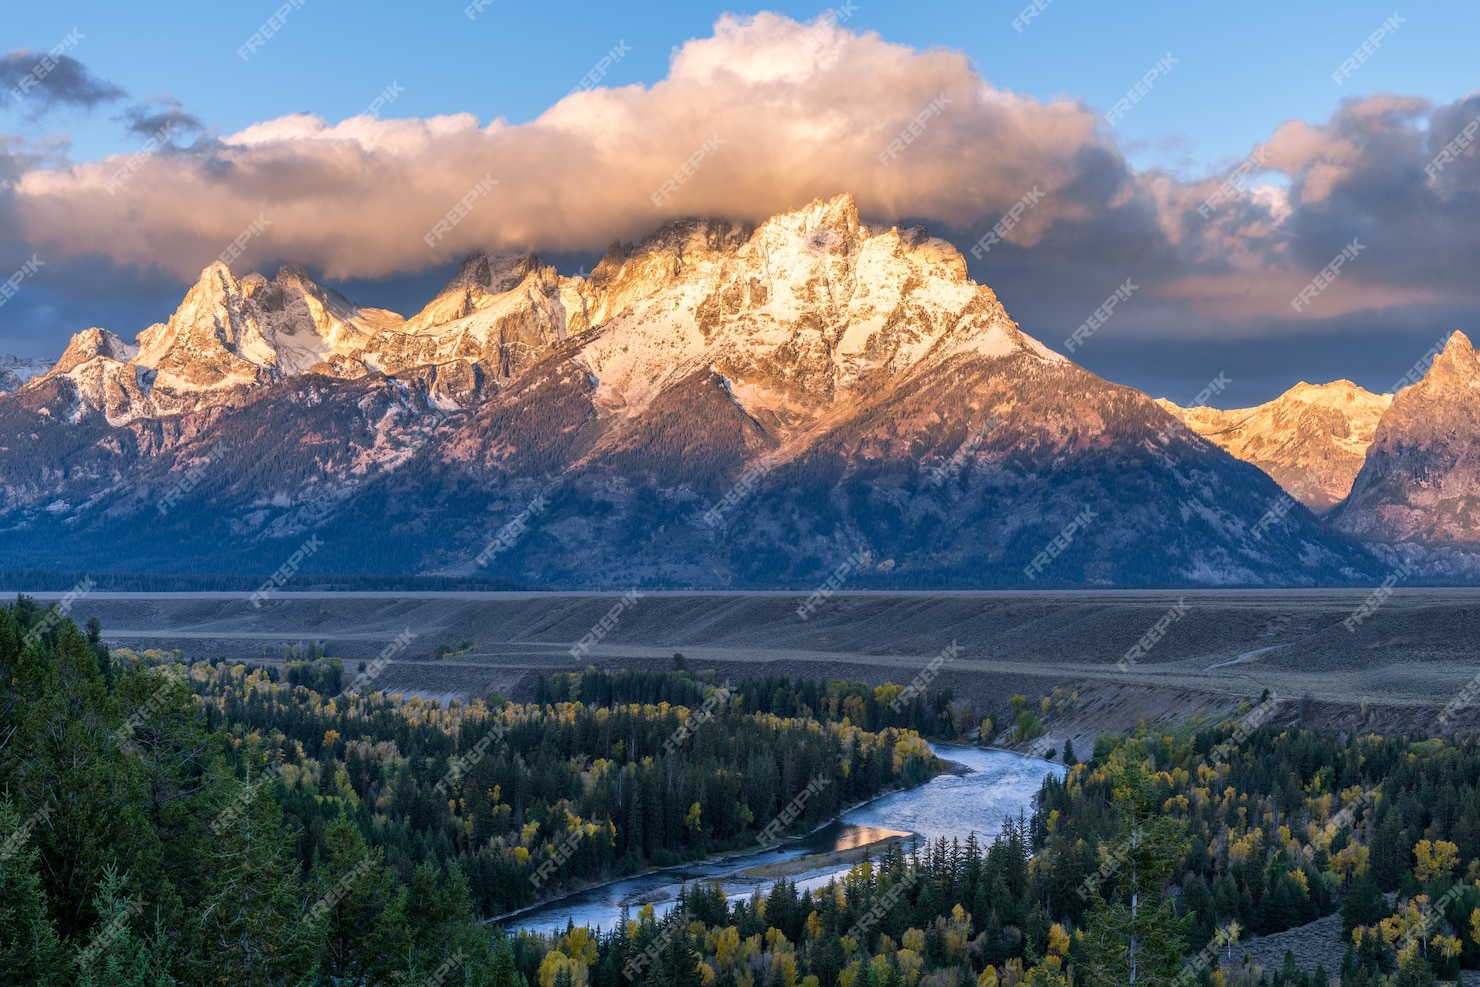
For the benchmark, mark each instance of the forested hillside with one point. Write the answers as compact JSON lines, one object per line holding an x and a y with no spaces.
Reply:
{"x":205,"y":824}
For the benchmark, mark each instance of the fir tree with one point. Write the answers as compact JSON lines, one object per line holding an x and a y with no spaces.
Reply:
{"x":115,"y":955}
{"x":30,"y":950}
{"x":254,"y":928}
{"x":677,"y":963}
{"x":362,"y":923}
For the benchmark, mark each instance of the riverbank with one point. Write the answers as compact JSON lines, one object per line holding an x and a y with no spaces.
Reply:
{"x":837,"y":859}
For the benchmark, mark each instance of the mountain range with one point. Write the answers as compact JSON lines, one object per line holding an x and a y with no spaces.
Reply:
{"x":804,"y":402}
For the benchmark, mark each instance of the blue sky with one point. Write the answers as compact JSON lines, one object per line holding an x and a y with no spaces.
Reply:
{"x":1241,"y":72}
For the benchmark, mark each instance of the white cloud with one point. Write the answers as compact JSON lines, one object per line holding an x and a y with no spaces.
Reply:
{"x":801,"y":109}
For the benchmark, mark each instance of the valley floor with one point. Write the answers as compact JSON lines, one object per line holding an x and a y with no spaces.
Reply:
{"x":1398,"y":669}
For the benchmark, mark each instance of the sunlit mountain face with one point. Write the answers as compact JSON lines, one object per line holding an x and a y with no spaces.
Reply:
{"x":717,"y":405}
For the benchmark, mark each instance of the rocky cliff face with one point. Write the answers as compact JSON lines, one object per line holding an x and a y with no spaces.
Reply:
{"x":1421,"y":479}
{"x":715,"y":406}
{"x":1312,"y":440}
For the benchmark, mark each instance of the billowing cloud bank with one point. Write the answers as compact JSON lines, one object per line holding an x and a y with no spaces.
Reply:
{"x":789,"y":111}
{"x":766,"y":114}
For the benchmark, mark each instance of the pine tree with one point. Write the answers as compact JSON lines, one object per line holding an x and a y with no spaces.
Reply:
{"x":253,"y":929}
{"x":1363,"y":904}
{"x":1289,"y":973}
{"x":634,"y":830}
{"x":30,"y":950}
{"x":67,"y":755}
{"x":163,"y":735}
{"x":438,"y":913}
{"x":502,"y":972}
{"x":114,"y":954}
{"x":1391,"y":852}
{"x":362,"y":924}
{"x":677,"y":963}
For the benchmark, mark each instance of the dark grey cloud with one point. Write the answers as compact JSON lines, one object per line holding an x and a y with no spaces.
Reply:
{"x":40,"y":82}
{"x":164,"y":115}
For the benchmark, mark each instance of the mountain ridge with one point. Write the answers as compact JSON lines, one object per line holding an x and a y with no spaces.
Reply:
{"x":880,"y":400}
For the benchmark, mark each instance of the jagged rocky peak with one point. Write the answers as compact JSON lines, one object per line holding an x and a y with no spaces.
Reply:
{"x":826,"y":224}
{"x":92,"y":344}
{"x":1457,"y":364}
{"x":1449,"y":388}
{"x":480,"y":279}
{"x":1336,"y":392}
{"x":24,"y":368}
{"x":830,"y":228}
{"x":276,"y":294}
{"x":493,"y":273}
{"x":232,"y":333}
{"x":16,"y":371}
{"x":693,"y":239}
{"x":809,"y":308}
{"x":1421,"y":480}
{"x":208,"y":342}
{"x":293,"y":304}
{"x":97,"y":373}
{"x":611,"y":262}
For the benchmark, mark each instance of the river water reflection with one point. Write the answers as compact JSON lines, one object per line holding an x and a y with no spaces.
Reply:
{"x":997,"y":784}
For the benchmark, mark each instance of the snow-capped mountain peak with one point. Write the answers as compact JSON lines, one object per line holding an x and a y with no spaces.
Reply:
{"x":799,"y":314}
{"x":232,"y":333}
{"x":94,"y":344}
{"x":477,"y":283}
